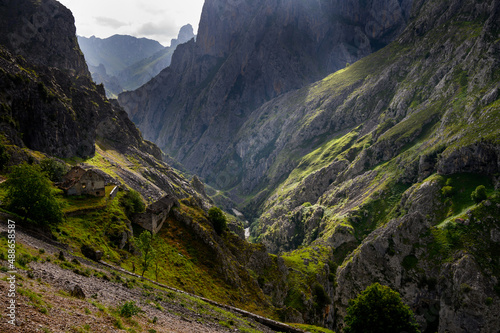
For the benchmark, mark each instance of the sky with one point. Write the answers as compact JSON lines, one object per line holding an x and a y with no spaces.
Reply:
{"x":160,"y":20}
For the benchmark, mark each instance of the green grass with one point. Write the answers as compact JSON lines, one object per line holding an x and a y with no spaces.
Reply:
{"x":306,"y":264}
{"x":35,"y":300}
{"x":461,"y":186}
{"x":312,"y":329}
{"x":72,"y":204}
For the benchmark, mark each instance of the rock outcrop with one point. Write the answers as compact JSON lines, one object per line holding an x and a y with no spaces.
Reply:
{"x":49,"y":102}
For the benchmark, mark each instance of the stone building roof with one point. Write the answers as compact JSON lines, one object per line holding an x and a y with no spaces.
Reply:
{"x":74,"y":176}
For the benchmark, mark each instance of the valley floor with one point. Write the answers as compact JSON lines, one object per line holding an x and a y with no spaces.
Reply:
{"x":45,"y":303}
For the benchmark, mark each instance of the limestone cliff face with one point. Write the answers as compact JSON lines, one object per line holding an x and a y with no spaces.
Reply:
{"x":375,"y":159}
{"x":43,"y":32}
{"x":247,"y":53}
{"x":49,"y":102}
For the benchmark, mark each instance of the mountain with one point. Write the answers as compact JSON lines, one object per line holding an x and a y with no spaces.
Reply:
{"x":246,"y":54}
{"x":145,"y":69}
{"x":117,"y":52}
{"x":125,"y":62}
{"x":53,"y":114}
{"x":370,"y":174}
{"x":384,"y":171}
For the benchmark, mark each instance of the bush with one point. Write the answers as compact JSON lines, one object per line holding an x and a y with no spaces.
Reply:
{"x":129,"y":309}
{"x":132,"y":203}
{"x":447,"y":191}
{"x":321,"y":297}
{"x":379,"y":309}
{"x":4,"y":156}
{"x":218,"y":219}
{"x":54,"y":169}
{"x":479,"y":194}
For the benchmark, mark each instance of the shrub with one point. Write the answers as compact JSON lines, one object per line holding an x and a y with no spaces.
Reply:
{"x":132,"y":203}
{"x":447,"y":191}
{"x":129,"y":309}
{"x":218,"y":219}
{"x":379,"y":309}
{"x":321,"y":297}
{"x":4,"y":156}
{"x":54,"y":169}
{"x":479,"y":194}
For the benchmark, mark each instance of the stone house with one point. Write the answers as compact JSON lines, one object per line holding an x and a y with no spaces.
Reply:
{"x":80,"y":181}
{"x":156,"y":214}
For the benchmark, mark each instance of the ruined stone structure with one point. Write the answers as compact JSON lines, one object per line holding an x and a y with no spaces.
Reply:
{"x":79,"y":181}
{"x":156,"y":214}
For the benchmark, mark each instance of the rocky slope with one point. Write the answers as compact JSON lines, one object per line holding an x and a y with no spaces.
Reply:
{"x":381,"y":164}
{"x":245,"y":55}
{"x":75,"y":294}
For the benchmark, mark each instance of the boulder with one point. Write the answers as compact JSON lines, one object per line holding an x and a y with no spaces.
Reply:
{"x":91,"y":253}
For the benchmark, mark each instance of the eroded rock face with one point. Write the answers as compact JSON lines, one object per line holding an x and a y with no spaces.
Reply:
{"x":49,"y":102}
{"x":482,"y":157}
{"x":43,"y":32}
{"x":247,"y":53}
{"x":445,"y":297}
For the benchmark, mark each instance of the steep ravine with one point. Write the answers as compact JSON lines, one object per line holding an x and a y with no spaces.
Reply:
{"x":377,"y":163}
{"x":246,"y":54}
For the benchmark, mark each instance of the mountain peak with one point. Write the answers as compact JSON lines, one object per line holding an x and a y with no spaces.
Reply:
{"x":185,"y":34}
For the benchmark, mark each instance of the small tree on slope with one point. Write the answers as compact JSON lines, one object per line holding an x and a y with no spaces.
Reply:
{"x":30,"y":194}
{"x":146,"y":244}
{"x":379,"y":309}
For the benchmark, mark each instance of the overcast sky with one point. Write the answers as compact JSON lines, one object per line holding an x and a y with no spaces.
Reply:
{"x":155,"y":19}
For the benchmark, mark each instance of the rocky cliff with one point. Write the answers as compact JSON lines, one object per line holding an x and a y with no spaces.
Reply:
{"x":246,"y":54}
{"x":381,"y":163}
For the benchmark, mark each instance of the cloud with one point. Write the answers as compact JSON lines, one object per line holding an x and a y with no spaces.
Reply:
{"x":160,"y":30}
{"x":109,"y":22}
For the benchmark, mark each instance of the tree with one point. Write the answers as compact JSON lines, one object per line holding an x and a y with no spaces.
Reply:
{"x":145,"y":243}
{"x":30,"y":194}
{"x":4,"y":156}
{"x":218,"y":219}
{"x":54,"y":169}
{"x":379,"y":309}
{"x":132,"y":203}
{"x":479,"y":194}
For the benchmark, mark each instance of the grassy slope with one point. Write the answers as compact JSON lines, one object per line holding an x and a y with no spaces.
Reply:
{"x":454,"y":129}
{"x":185,"y":261}
{"x":39,"y":300}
